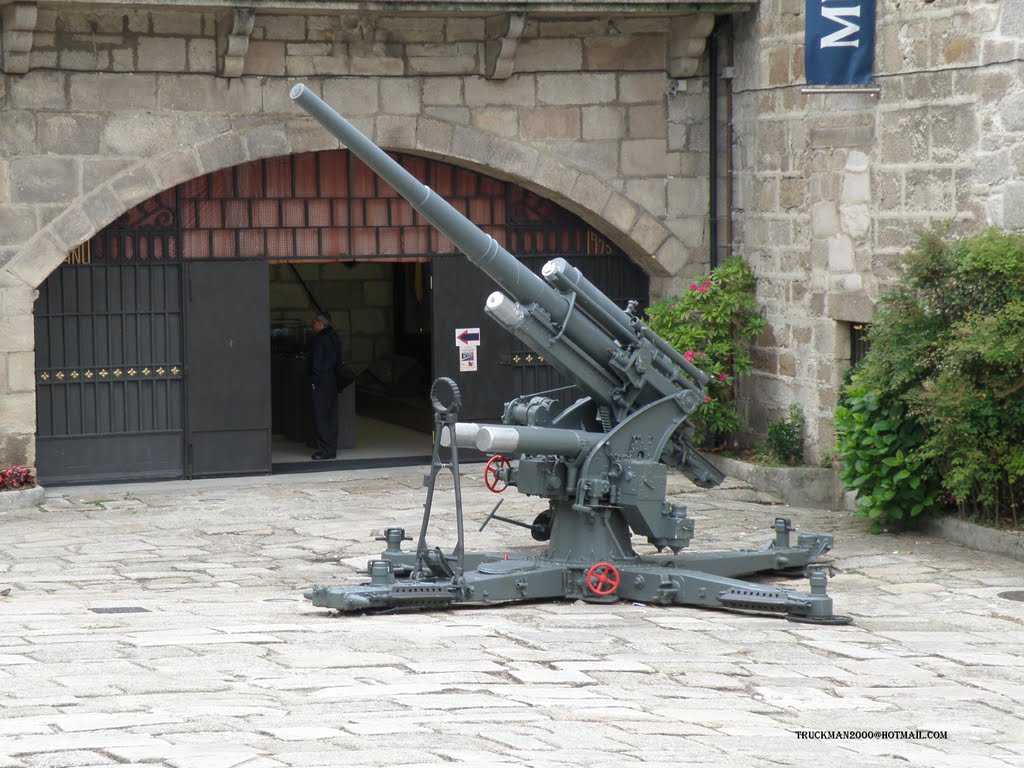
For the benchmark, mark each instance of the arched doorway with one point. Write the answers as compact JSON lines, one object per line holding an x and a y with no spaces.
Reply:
{"x":163,"y":344}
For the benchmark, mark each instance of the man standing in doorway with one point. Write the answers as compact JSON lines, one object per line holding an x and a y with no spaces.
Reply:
{"x":321,"y":363}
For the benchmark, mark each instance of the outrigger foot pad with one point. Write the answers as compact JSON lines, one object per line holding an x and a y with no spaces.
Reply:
{"x":829,"y":621}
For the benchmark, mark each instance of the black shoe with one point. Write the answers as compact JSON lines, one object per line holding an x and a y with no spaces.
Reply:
{"x":323,"y":456}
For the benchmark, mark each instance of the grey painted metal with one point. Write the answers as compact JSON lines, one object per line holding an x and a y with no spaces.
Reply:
{"x":446,"y":414}
{"x":518,"y":439}
{"x":684,"y":580}
{"x":601,"y":463}
{"x":592,"y":375}
{"x":625,"y":326}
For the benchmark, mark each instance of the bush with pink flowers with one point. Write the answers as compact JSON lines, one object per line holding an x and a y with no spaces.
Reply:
{"x":713,"y":323}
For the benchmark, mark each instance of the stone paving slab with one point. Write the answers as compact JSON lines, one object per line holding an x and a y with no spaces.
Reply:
{"x":220,"y":663}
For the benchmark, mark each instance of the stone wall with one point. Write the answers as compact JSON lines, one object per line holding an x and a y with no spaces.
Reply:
{"x":101,"y":107}
{"x":830,"y":189}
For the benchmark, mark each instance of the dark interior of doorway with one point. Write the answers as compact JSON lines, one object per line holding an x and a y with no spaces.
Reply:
{"x":381,"y":310}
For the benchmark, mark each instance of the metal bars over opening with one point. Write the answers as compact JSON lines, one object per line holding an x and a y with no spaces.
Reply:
{"x":109,"y":355}
{"x":329,"y":205}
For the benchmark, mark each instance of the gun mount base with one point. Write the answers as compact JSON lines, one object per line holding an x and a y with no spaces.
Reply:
{"x":699,"y":579}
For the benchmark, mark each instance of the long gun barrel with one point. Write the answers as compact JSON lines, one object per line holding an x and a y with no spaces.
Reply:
{"x":611,"y":356}
{"x":479,"y":247}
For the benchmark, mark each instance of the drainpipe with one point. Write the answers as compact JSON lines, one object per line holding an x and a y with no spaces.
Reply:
{"x":713,"y":145}
{"x":728,"y":73}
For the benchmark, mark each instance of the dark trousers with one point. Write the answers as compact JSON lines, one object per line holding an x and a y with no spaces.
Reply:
{"x":325,"y":419}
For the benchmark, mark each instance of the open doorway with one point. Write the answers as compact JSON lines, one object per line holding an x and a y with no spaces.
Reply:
{"x":381,"y":310}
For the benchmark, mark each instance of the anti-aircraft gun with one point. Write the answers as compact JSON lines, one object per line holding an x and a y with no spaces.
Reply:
{"x":601,"y":462}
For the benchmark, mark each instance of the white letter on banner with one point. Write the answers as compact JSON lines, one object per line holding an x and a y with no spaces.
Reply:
{"x":836,"y":39}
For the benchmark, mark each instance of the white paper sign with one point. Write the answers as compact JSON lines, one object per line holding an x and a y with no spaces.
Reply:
{"x":467,"y":358}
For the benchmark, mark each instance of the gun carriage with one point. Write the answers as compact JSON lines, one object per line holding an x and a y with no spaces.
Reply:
{"x":601,"y":462}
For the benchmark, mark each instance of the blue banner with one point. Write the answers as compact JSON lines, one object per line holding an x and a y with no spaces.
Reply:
{"x":839,"y":44}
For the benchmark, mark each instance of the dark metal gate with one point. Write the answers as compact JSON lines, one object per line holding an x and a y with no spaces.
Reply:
{"x":109,"y":373}
{"x":228,"y":326}
{"x":123,"y":391}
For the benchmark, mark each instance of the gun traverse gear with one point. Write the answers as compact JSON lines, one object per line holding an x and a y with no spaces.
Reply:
{"x":601,"y":462}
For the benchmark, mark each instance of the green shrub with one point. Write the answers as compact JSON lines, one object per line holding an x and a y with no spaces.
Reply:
{"x":880,"y":448}
{"x":785,"y":440}
{"x":946,"y":366}
{"x":713,"y":324}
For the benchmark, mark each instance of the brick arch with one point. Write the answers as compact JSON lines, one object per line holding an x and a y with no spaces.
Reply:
{"x":640,"y":235}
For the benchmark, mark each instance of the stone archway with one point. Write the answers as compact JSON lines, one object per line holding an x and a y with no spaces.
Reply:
{"x":639,"y":234}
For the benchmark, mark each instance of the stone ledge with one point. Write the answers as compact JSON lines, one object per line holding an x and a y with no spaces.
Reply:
{"x":1008,"y":543}
{"x":795,"y":486}
{"x":21,"y":498}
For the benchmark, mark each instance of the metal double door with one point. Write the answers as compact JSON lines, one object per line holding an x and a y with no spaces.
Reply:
{"x":152,"y":371}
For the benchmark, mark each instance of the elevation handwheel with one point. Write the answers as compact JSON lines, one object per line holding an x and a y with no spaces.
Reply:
{"x":492,"y":476}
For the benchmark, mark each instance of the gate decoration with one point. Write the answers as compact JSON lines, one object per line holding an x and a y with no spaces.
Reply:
{"x":109,"y":371}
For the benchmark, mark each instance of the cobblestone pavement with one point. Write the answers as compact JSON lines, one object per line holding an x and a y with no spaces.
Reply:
{"x":215,"y":660}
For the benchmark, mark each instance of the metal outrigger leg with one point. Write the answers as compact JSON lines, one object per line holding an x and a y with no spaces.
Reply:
{"x":589,"y":558}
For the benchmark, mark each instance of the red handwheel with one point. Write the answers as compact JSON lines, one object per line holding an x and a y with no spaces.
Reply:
{"x":491,"y":477}
{"x":602,"y":578}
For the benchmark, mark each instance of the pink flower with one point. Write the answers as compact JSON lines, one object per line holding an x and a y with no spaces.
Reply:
{"x":700,"y":354}
{"x":702,"y":289}
{"x":723,"y":377}
{"x":693,"y":286}
{"x":688,"y":355}
{"x":707,"y":283}
{"x":707,"y":398}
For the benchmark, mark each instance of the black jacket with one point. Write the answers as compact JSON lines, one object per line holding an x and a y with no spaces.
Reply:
{"x":322,"y":359}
